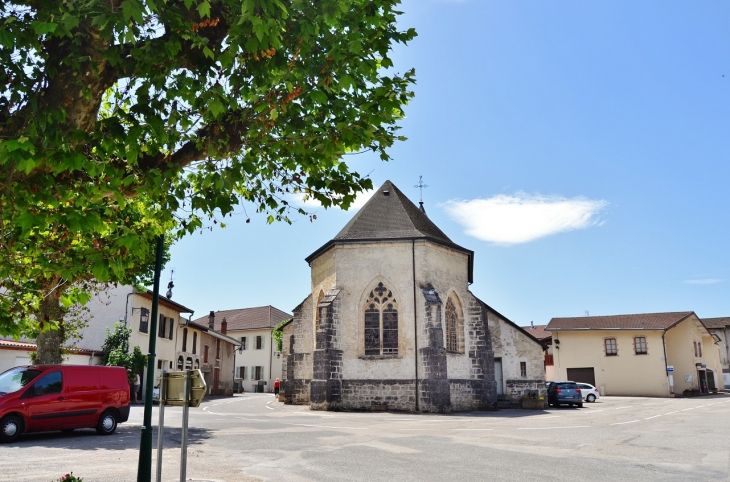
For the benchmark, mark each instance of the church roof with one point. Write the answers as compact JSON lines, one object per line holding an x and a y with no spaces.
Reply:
{"x":389,"y":216}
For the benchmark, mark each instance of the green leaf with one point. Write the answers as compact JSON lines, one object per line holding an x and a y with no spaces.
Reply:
{"x":43,"y":28}
{"x":132,"y":10}
{"x":204,"y":8}
{"x":208,"y":53}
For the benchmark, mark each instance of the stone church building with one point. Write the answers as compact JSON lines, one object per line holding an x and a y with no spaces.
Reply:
{"x":390,"y":323}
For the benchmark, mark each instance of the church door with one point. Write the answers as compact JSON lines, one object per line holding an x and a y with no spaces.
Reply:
{"x":498,"y":376}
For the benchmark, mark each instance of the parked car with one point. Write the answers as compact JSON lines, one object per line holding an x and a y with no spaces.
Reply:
{"x":62,"y":397}
{"x":564,"y":393}
{"x":589,"y":392}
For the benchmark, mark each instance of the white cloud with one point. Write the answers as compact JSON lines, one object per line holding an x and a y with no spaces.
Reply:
{"x":521,"y":218}
{"x":706,"y":281}
{"x":311,"y":203}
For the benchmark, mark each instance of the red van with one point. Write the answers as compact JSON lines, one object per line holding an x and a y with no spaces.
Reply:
{"x":38,"y":398}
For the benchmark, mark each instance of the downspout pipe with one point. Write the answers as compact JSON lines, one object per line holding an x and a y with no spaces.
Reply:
{"x":415,"y":318}
{"x":666,"y":362}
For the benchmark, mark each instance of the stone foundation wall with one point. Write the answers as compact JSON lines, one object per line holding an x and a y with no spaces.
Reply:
{"x":516,"y":389}
{"x":379,"y":395}
{"x":467,"y":395}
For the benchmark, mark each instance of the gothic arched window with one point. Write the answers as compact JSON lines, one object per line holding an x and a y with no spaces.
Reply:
{"x":381,"y":322}
{"x":454,"y":327}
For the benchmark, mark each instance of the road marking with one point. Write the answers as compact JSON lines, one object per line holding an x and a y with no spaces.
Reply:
{"x":592,"y":411}
{"x":623,"y":423}
{"x":542,"y":418}
{"x":252,"y":419}
{"x":268,"y":407}
{"x":550,"y":428}
{"x":619,"y":408}
{"x":685,"y":409}
{"x":669,"y":413}
{"x":649,"y":418}
{"x":327,"y":426}
{"x":411,"y":429}
{"x":463,"y":429}
{"x":269,"y":403}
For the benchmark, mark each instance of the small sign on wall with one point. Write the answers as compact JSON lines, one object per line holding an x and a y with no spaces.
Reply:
{"x":689,"y":378}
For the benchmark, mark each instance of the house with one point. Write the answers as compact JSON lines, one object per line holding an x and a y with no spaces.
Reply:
{"x":519,"y":360}
{"x":720,"y":329}
{"x":651,"y":354}
{"x":390,"y":323}
{"x":18,"y":353}
{"x":257,"y":359}
{"x":546,"y":338}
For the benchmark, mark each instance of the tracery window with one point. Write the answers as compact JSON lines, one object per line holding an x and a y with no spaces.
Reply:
{"x":381,"y":322}
{"x":454,"y":327}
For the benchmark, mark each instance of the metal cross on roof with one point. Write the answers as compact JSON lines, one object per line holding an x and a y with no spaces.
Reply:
{"x":420,"y":186}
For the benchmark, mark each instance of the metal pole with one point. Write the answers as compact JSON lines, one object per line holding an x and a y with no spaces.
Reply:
{"x":161,"y":424}
{"x":144,"y":467}
{"x":184,"y":442}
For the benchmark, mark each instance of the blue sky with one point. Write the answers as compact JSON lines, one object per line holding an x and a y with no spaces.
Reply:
{"x":579,"y":148}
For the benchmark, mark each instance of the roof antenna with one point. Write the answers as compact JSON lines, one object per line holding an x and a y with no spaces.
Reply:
{"x":532,"y":325}
{"x":420,"y":186}
{"x":587,"y":313}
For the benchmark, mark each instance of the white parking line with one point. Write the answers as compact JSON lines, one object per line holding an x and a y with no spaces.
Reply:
{"x":669,"y":413}
{"x":327,"y":426}
{"x":649,"y":418}
{"x":619,"y":408}
{"x":464,"y":429}
{"x":623,"y":423}
{"x":269,"y":407}
{"x":685,"y":409}
{"x":550,"y":428}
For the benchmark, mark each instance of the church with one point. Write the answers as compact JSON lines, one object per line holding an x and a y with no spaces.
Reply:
{"x":390,"y":323}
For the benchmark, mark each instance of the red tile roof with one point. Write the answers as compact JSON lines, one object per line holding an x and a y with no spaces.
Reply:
{"x":17,"y":344}
{"x":247,"y":318}
{"x":538,"y":331}
{"x":645,"y":321}
{"x":716,"y":322}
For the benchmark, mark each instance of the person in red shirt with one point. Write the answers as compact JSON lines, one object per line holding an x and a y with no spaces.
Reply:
{"x":276,"y":387}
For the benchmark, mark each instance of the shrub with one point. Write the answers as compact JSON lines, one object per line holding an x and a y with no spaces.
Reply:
{"x":70,"y":477}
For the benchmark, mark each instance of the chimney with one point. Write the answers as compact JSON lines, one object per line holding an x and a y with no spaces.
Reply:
{"x":211,"y":320}
{"x":224,"y":326}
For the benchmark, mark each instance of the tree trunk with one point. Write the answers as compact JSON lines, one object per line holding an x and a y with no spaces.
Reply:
{"x":49,"y":341}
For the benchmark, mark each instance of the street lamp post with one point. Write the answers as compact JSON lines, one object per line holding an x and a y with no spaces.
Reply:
{"x":144,"y":468}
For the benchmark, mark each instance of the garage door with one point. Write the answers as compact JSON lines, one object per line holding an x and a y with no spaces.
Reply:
{"x":582,"y":375}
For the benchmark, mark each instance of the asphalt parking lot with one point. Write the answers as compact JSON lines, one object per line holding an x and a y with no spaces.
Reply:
{"x":254,"y":437}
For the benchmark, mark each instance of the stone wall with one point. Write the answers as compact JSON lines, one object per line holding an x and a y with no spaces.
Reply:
{"x":297,"y":356}
{"x":516,"y":389}
{"x":379,"y":395}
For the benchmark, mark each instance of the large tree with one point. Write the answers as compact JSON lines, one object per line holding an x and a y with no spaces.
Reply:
{"x":123,"y":119}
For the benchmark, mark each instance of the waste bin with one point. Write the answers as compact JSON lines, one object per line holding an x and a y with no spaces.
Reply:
{"x":260,"y":386}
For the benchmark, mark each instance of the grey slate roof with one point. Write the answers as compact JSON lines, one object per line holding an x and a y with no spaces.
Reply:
{"x":644,"y":321}
{"x":716,"y":322}
{"x":388,"y":216}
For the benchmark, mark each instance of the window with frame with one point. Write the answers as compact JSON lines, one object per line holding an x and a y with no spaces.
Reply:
{"x":185,"y":340}
{"x":159,"y":364}
{"x":171,"y":327}
{"x":694,"y":343}
{"x":259,"y":342}
{"x":640,"y":345}
{"x":205,"y":354}
{"x":699,"y":348}
{"x":381,"y":322}
{"x":188,"y":363}
{"x":242,"y":373}
{"x":180,"y":363}
{"x":144,"y":320}
{"x":318,"y":311}
{"x":523,"y":369}
{"x":217,"y":349}
{"x":257,"y":373}
{"x":243,"y":343}
{"x":454,"y":326}
{"x":161,"y":328}
{"x":611,"y":347}
{"x":195,"y":342}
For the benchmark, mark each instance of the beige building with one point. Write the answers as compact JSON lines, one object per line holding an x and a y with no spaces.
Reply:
{"x":256,"y":359}
{"x":720,"y":329}
{"x":18,"y":353}
{"x":390,"y":322}
{"x":653,"y":354}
